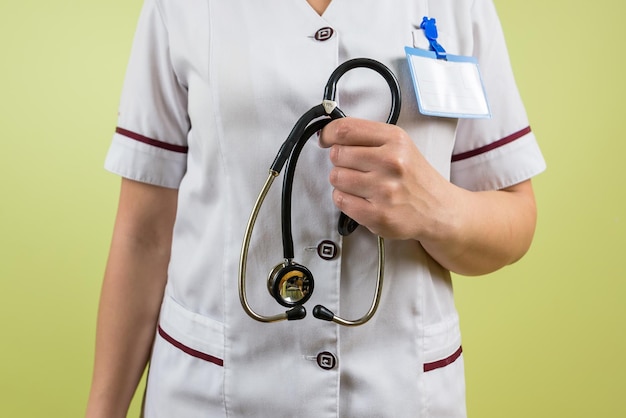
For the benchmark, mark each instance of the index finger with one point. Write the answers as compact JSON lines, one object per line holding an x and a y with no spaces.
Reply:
{"x":355,"y":132}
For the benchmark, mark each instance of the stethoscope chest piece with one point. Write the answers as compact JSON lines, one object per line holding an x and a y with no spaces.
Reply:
{"x":290,"y":284}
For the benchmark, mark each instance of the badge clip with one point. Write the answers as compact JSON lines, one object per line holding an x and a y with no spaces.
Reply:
{"x":430,"y":30}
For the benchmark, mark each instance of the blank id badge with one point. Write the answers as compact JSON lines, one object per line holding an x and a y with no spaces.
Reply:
{"x":450,"y":87}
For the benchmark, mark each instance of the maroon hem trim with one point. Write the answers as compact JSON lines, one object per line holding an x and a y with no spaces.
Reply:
{"x":428,"y":367}
{"x":155,"y":143}
{"x":489,"y":147}
{"x":189,"y":350}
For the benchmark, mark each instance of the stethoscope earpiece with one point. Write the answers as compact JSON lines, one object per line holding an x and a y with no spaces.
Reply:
{"x":290,"y":283}
{"x":323,"y":313}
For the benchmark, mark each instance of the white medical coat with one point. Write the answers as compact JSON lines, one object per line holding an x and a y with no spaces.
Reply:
{"x":212,"y":90}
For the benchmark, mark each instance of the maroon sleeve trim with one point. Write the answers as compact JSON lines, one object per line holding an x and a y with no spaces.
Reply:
{"x":489,"y":147}
{"x":189,"y":350}
{"x":428,"y":367}
{"x":155,"y":143}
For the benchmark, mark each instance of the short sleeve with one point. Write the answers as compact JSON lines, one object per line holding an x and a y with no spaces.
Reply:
{"x":495,"y":153}
{"x":150,"y":141}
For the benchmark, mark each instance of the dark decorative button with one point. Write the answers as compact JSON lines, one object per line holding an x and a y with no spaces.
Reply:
{"x":326,"y":360}
{"x":324,"y":34}
{"x":327,"y":250}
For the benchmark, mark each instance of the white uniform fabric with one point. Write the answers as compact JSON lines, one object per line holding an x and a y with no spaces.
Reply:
{"x":213,"y":88}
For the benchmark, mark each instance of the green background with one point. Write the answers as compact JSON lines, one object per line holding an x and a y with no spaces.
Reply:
{"x":542,"y":338}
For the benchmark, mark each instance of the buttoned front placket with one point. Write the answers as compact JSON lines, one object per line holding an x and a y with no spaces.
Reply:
{"x":265,"y":70}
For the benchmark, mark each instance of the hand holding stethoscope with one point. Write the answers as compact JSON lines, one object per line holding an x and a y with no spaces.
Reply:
{"x":290,"y":283}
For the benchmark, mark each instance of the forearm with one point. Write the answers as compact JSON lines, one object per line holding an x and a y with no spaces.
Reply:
{"x":129,"y":307}
{"x":484,"y":231}
{"x":131,"y":296}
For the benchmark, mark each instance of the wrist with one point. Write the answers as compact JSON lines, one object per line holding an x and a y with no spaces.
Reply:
{"x":445,"y":236}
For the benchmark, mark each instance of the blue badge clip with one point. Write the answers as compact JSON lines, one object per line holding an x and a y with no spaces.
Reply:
{"x":430,"y":30}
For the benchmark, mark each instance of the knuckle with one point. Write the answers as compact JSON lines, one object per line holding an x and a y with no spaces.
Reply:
{"x":333,"y":177}
{"x":342,"y":128}
{"x":339,"y":200}
{"x":389,"y":191}
{"x":395,"y":163}
{"x":335,"y":152}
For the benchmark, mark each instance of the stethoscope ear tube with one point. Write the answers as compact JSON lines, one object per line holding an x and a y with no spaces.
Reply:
{"x":298,"y":312}
{"x":321,"y":312}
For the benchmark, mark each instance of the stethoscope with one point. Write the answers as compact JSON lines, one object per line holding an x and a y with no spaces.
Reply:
{"x":291,"y":284}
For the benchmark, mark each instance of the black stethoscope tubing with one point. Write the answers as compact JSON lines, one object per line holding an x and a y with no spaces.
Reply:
{"x":307,"y":125}
{"x":288,"y":251}
{"x":296,"y":141}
